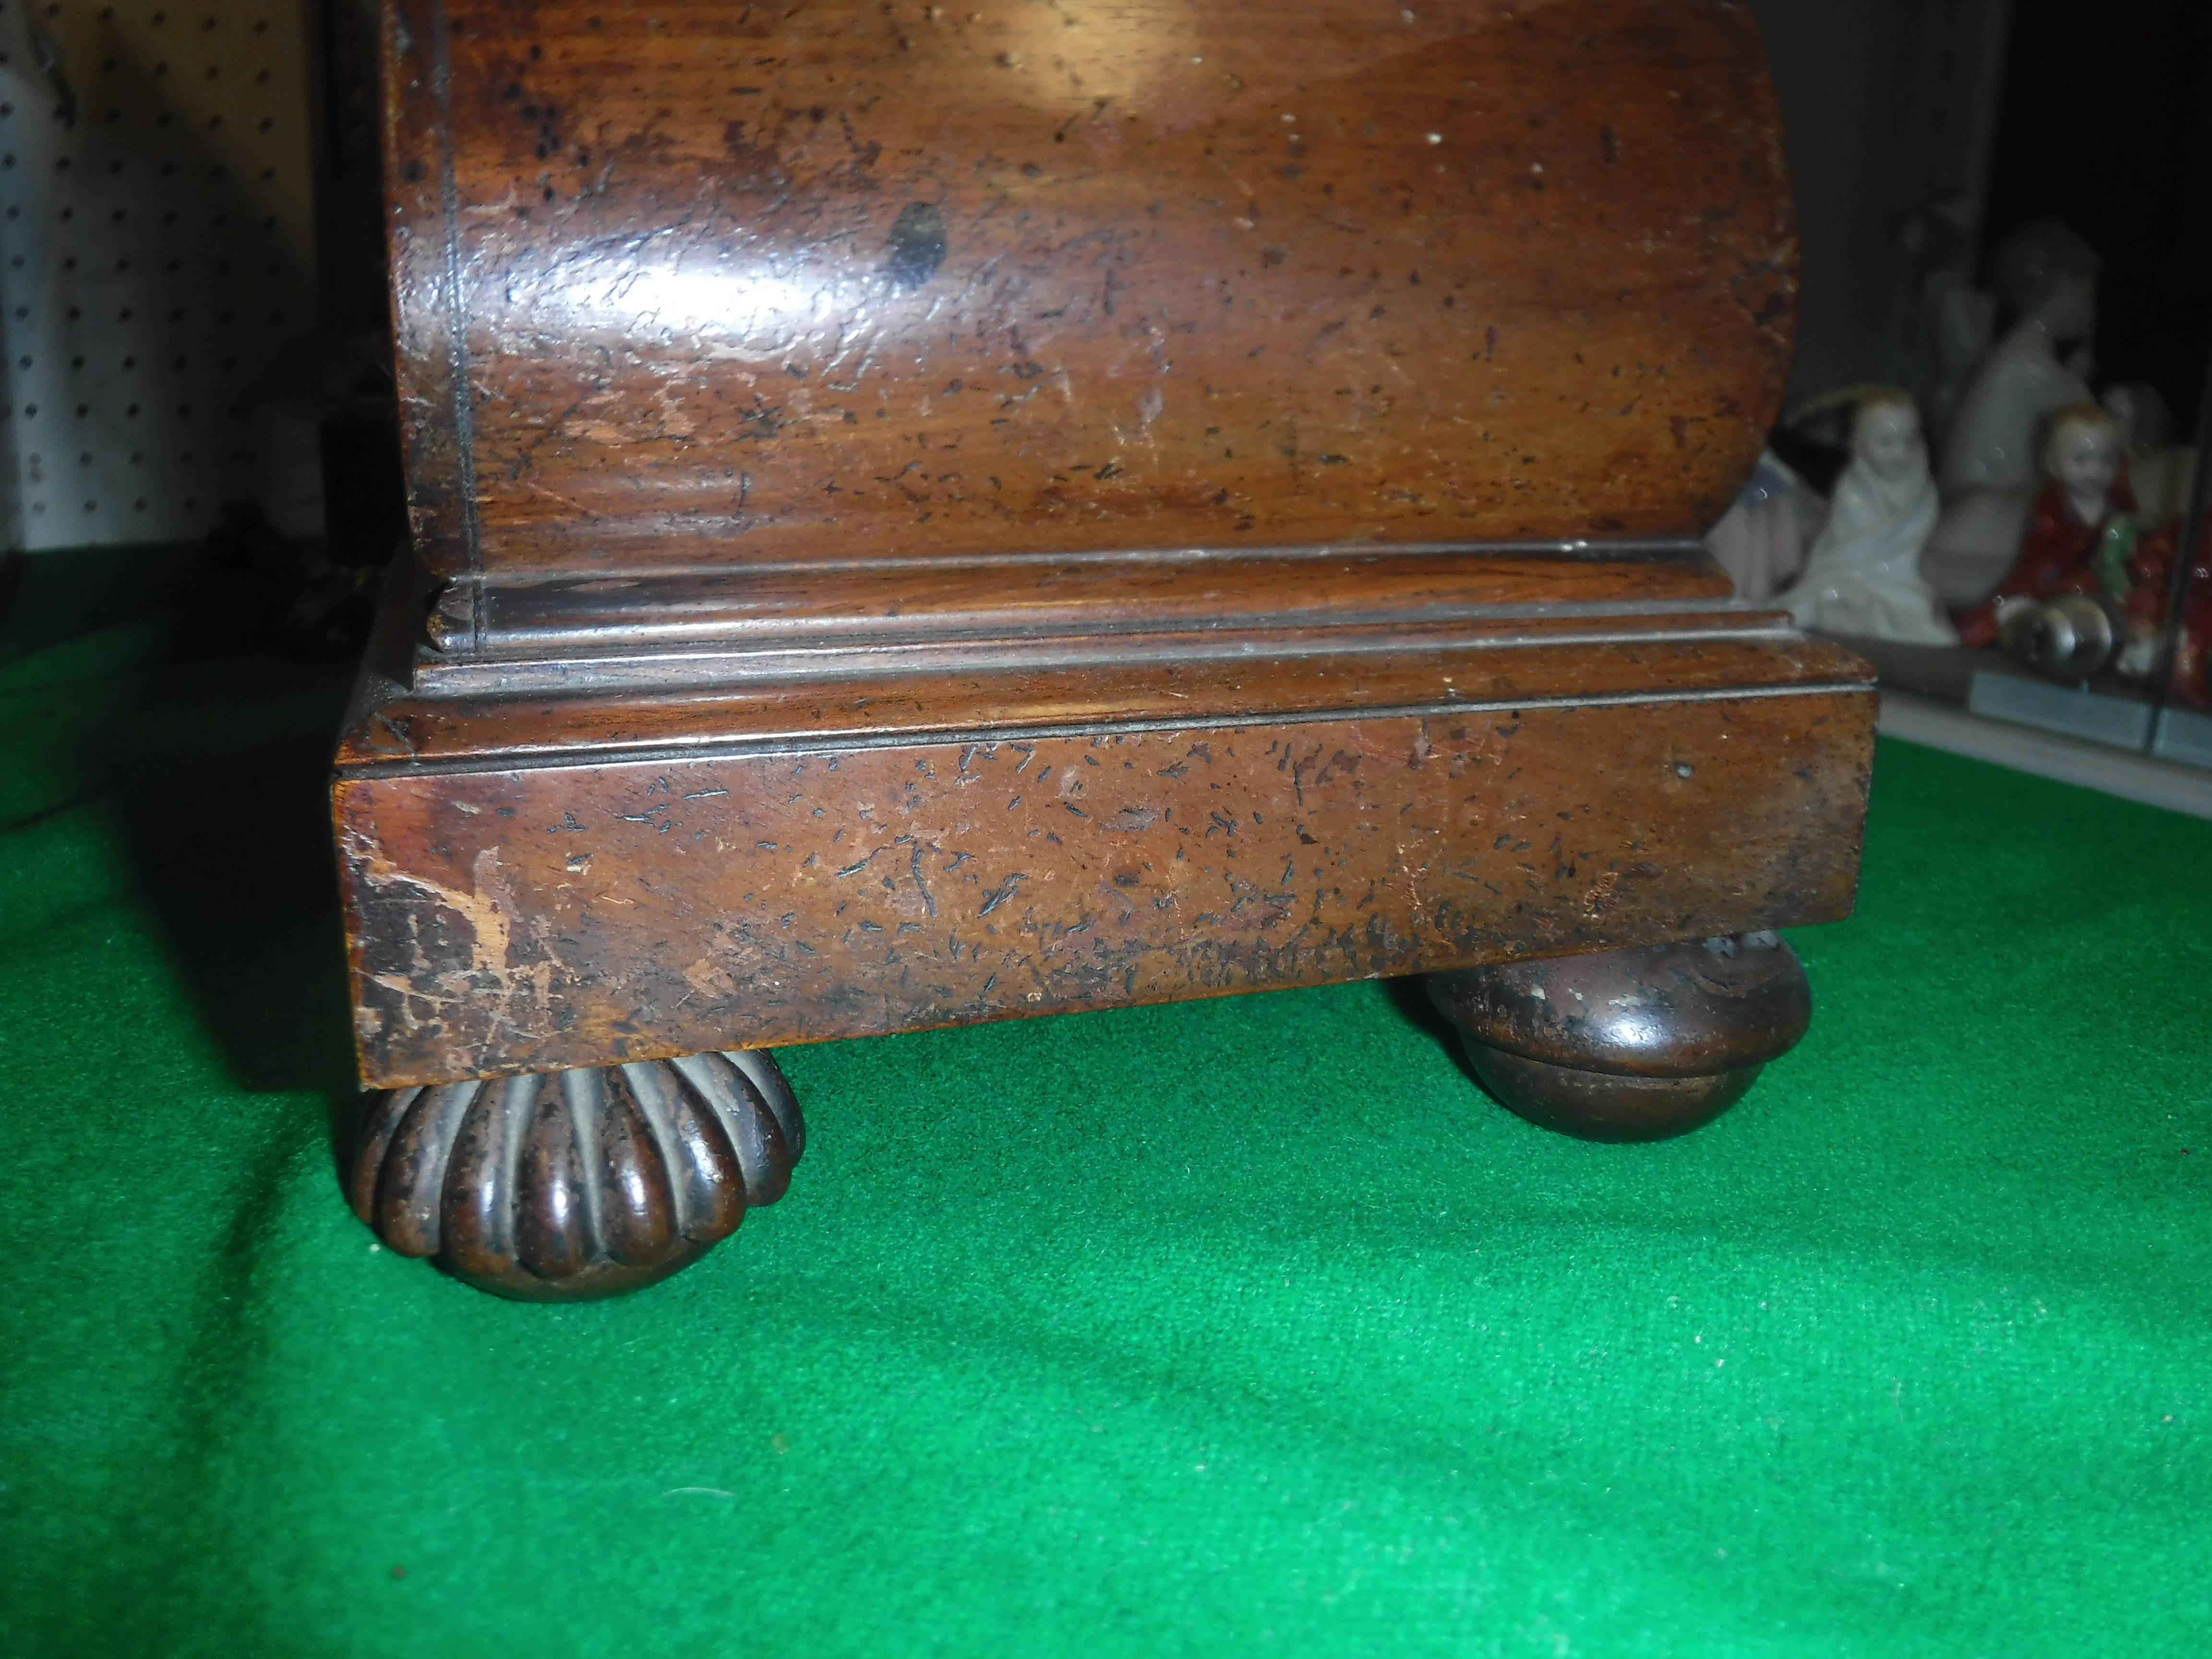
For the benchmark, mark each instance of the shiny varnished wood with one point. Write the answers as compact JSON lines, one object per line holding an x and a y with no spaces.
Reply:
{"x":1629,"y":1045}
{"x":508,"y":915}
{"x":928,"y":514}
{"x":576,"y":1184}
{"x":589,"y":620}
{"x":723,"y":283}
{"x":826,"y":695}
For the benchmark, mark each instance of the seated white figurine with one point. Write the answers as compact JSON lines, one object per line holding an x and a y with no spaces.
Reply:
{"x":1862,"y":576}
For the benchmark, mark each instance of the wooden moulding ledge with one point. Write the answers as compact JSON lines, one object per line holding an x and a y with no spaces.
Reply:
{"x":546,"y":880}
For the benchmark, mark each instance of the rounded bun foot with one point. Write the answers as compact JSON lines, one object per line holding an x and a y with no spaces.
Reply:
{"x":566,"y":1186}
{"x":1628,"y":1045}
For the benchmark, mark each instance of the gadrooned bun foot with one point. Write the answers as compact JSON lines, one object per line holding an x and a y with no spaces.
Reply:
{"x":564,"y":1186}
{"x":1628,"y":1045}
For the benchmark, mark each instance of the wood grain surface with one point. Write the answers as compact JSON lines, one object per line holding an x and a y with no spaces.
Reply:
{"x":1172,"y":680}
{"x":595,"y":616}
{"x":931,"y":513}
{"x":533,"y":916}
{"x":1629,"y":1045}
{"x":716,"y":281}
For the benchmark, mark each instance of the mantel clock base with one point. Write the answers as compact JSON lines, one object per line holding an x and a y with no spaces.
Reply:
{"x":899,"y":542}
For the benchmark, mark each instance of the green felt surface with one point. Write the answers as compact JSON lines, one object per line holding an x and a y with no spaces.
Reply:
{"x":1235,"y":1327}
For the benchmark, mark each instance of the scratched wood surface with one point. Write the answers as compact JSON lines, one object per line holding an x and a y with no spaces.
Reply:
{"x":712,"y":282}
{"x":527,"y":918}
{"x":937,"y":513}
{"x":1315,"y":672}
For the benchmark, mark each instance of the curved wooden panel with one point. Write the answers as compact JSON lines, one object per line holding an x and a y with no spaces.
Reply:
{"x":713,"y":283}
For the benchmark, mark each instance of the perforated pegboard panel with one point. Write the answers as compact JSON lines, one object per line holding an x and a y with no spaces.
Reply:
{"x":156,"y":253}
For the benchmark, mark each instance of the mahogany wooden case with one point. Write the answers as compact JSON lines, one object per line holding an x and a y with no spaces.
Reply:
{"x":932,"y":513}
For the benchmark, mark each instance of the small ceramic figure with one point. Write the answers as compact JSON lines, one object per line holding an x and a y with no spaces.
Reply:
{"x":2049,"y":276}
{"x":2081,"y":535}
{"x":2191,"y":677}
{"x":1959,"y":321}
{"x":1862,"y":576}
{"x":1760,"y":540}
{"x":2159,"y":470}
{"x":2145,"y":417}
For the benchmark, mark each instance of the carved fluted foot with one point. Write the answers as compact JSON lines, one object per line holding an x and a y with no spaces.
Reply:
{"x":1628,"y":1045}
{"x":563,"y":1186}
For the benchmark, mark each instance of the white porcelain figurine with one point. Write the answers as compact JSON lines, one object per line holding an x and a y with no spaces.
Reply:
{"x":2048,"y":276}
{"x":1862,"y":576}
